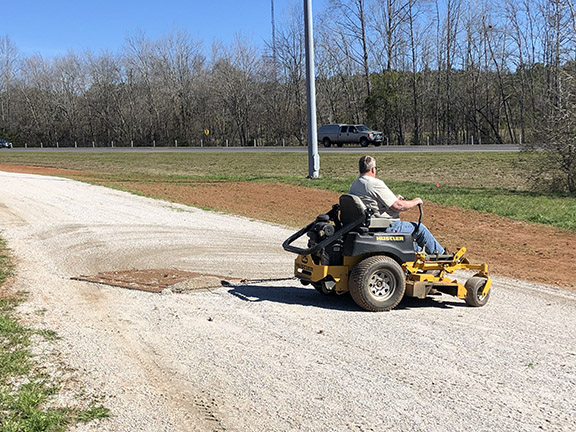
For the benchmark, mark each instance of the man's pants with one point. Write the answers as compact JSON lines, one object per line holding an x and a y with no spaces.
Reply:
{"x":424,"y":238}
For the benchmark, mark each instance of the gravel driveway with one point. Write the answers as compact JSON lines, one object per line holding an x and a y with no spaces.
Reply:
{"x":275,"y":356}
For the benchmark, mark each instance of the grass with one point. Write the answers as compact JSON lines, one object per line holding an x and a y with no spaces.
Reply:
{"x":26,"y":394}
{"x":498,"y":183}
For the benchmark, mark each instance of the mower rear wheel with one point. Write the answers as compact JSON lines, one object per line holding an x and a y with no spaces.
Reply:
{"x":377,"y":284}
{"x":474,"y":288}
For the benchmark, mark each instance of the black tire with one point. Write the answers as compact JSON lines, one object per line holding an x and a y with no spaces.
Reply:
{"x":340,"y":144}
{"x":326,"y":142}
{"x":474,"y":287}
{"x":363,"y":142}
{"x":377,"y":284}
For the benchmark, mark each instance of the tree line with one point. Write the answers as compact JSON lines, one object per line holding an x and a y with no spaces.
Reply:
{"x":421,"y":71}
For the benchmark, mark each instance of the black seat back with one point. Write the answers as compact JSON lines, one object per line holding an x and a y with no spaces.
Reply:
{"x":351,"y":208}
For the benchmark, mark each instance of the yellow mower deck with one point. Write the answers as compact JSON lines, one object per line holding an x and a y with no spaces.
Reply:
{"x":422,"y":275}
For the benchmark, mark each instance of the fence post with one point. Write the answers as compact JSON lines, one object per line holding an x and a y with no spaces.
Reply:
{"x":93,"y":144}
{"x":154,"y":143}
{"x":201,"y":143}
{"x":226,"y":143}
{"x":175,"y":143}
{"x":75,"y":144}
{"x":41,"y":145}
{"x":57,"y":144}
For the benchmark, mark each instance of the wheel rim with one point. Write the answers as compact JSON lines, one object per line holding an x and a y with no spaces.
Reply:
{"x":381,"y":285}
{"x":479,"y":291}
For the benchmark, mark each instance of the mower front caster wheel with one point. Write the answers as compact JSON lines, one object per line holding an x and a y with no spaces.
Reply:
{"x":474,"y":288}
{"x":377,"y":284}
{"x":325,"y":287}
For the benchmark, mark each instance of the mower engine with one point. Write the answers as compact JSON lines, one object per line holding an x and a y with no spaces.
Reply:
{"x":322,"y":229}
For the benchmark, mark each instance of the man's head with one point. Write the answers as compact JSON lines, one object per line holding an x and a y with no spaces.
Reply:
{"x":367,"y":165}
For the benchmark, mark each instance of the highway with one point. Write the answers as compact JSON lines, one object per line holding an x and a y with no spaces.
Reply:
{"x":280,"y":149}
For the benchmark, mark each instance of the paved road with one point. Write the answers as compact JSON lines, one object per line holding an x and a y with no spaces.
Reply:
{"x":346,"y":149}
{"x":276,"y":356}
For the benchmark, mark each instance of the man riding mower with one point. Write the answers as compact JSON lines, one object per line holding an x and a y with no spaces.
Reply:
{"x":349,"y":250}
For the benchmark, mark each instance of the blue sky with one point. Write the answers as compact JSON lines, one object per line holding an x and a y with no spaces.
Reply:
{"x":52,"y":28}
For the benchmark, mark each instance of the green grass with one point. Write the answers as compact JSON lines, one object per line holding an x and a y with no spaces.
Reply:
{"x":498,"y":183}
{"x":25,"y":392}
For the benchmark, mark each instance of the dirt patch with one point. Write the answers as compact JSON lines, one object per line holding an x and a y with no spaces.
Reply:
{"x":27,"y":169}
{"x":513,"y":249}
{"x":156,"y":280}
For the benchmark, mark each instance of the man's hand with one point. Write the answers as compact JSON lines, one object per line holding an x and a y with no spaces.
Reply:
{"x":402,"y":205}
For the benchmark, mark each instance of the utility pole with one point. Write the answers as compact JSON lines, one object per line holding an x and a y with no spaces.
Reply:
{"x":313,"y":156}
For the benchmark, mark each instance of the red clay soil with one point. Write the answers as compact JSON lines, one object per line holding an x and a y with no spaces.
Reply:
{"x":26,"y":169}
{"x":513,"y":249}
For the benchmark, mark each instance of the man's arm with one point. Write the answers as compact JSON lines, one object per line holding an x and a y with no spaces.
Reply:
{"x":402,"y":204}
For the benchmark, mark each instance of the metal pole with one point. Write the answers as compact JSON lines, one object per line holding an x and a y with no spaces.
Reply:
{"x":313,"y":156}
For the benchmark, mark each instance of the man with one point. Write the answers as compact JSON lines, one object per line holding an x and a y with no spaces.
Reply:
{"x":377,"y":196}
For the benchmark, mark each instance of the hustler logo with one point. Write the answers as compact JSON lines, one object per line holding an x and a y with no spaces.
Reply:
{"x":390,"y":238}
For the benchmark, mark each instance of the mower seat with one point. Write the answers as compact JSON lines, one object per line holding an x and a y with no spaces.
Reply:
{"x":352,"y":208}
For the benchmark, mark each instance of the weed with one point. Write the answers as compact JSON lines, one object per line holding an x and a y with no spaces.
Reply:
{"x":94,"y":413}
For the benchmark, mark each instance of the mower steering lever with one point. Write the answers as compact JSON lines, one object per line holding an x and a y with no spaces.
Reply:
{"x":419,"y":221}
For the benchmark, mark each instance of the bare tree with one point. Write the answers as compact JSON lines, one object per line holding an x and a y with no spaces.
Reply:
{"x":352,"y":26}
{"x":285,"y":101}
{"x":236,"y":87}
{"x":8,"y":69}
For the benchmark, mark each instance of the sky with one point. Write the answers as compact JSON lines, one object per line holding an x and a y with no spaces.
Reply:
{"x":53,"y":28}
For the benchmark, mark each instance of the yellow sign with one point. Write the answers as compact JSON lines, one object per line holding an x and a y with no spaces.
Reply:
{"x":206,"y":132}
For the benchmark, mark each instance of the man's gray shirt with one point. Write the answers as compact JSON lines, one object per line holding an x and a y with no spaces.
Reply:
{"x":376,"y":195}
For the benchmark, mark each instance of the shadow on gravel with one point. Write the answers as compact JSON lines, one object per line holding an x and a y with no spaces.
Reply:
{"x":294,"y":296}
{"x":310,"y":297}
{"x":441,"y":302}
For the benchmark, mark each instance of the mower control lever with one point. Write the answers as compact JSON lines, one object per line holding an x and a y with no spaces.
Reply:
{"x":419,"y":221}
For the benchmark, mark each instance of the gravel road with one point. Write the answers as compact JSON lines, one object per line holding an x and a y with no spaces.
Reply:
{"x":275,"y":356}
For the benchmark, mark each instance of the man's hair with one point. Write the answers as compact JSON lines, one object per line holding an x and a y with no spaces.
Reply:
{"x":366,"y":163}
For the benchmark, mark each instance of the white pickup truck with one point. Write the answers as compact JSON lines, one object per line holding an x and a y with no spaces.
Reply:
{"x":341,"y":134}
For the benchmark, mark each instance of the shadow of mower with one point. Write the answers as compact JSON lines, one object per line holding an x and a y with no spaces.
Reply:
{"x":305,"y":296}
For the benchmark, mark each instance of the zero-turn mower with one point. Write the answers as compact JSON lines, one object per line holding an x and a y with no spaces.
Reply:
{"x":350,"y":250}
